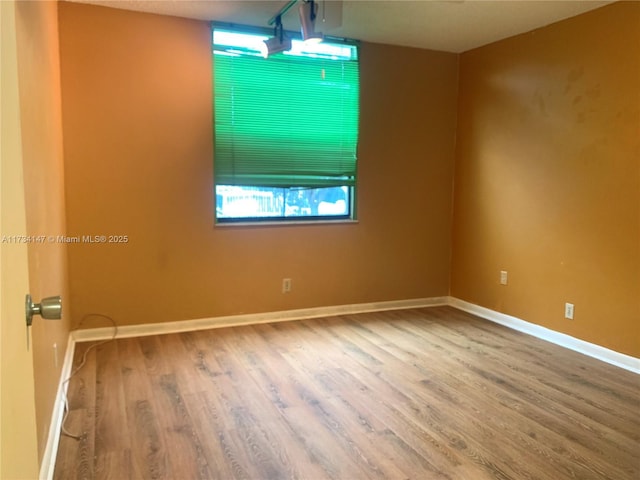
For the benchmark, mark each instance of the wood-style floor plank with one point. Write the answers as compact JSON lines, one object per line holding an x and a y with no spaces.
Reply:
{"x":430,"y":393}
{"x":148,"y":447}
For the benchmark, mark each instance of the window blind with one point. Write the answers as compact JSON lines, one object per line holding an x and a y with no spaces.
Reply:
{"x":288,"y":120}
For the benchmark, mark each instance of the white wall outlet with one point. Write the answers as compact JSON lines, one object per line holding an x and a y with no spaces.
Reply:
{"x":286,"y":285}
{"x":568,"y":311}
{"x":503,"y":277}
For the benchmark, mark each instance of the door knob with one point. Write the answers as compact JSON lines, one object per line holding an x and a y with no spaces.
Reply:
{"x":49,"y":308}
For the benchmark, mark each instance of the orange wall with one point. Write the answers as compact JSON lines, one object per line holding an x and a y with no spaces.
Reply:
{"x":137,"y":123}
{"x":40,"y":109}
{"x":547,"y":181}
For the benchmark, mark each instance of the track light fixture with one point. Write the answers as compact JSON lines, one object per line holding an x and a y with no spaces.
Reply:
{"x":279,"y":42}
{"x":308,"y":11}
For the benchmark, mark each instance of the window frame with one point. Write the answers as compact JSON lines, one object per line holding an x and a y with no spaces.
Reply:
{"x":351,"y":186}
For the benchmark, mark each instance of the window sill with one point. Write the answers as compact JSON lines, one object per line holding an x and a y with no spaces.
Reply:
{"x":289,"y":223}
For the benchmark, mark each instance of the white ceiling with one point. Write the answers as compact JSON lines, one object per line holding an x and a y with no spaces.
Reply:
{"x":447,"y":25}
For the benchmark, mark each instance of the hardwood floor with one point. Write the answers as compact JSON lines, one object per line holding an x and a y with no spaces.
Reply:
{"x":430,"y":393}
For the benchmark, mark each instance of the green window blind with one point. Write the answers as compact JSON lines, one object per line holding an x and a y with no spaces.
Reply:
{"x":288,"y":120}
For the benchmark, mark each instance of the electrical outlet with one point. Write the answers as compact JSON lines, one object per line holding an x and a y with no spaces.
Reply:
{"x":286,"y":285}
{"x":503,"y":277}
{"x":568,"y":311}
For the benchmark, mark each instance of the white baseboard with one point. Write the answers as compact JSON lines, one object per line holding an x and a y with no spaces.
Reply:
{"x":596,"y":351}
{"x":48,"y":464}
{"x":93,"y":334}
{"x":592,"y":350}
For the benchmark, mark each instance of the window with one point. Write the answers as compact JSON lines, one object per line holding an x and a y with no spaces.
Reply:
{"x":286,"y":129}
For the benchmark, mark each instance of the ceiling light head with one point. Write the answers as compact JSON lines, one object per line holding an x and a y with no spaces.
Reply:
{"x":308,"y":10}
{"x":279,"y":42}
{"x":274,"y":45}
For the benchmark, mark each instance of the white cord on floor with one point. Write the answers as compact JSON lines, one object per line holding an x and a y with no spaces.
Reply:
{"x":77,"y":369}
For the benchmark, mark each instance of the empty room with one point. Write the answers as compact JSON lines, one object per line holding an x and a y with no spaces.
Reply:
{"x":320,"y":240}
